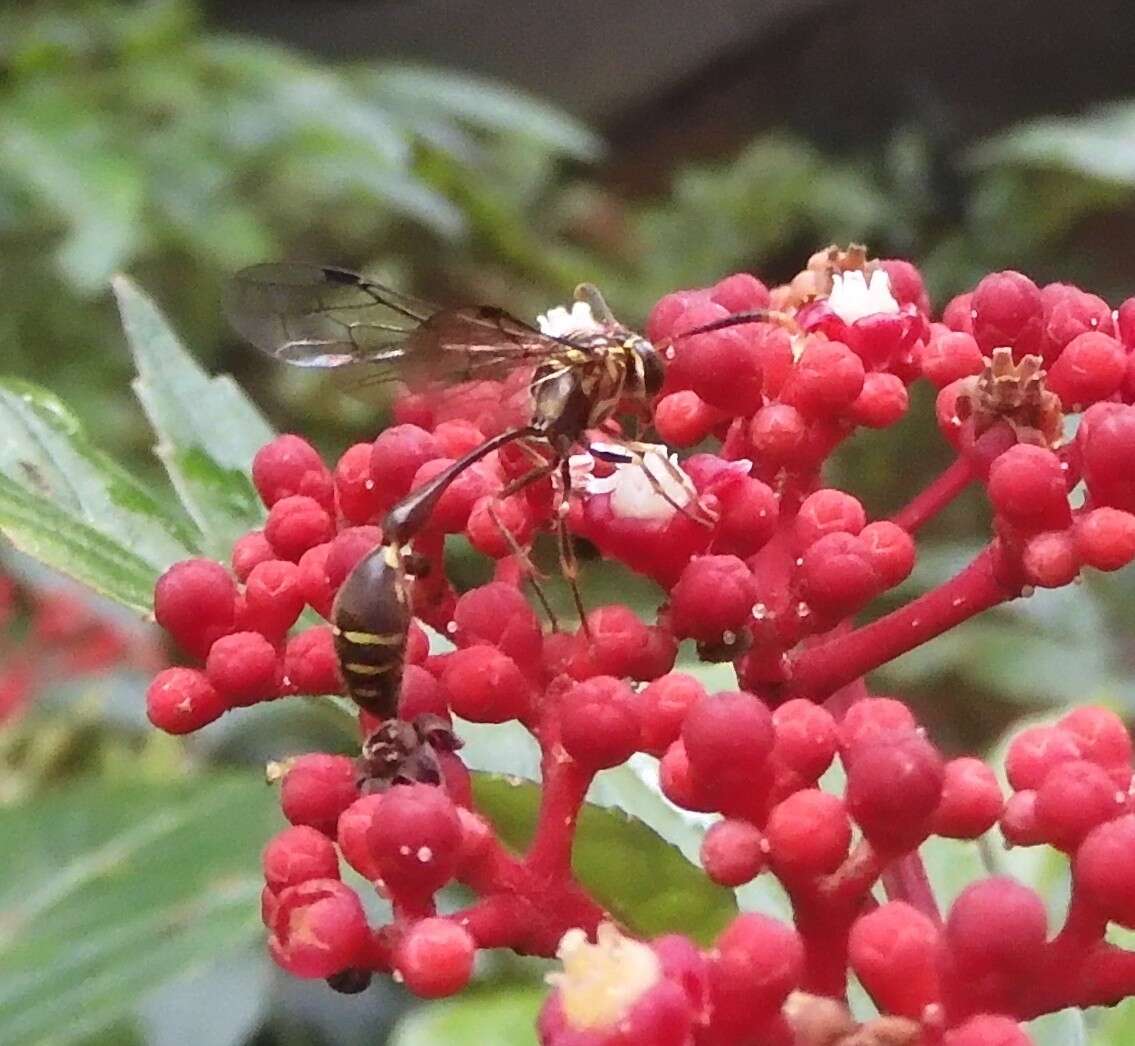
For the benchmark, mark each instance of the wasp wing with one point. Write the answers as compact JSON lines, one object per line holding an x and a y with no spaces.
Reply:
{"x":321,"y":316}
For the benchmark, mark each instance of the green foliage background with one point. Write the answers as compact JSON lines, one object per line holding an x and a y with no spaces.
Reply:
{"x":132,"y":138}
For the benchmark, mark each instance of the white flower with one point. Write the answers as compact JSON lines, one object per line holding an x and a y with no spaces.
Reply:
{"x":559,"y":322}
{"x":852,"y":297}
{"x":650,"y":488}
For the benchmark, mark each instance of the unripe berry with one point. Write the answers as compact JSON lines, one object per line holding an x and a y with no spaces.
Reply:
{"x":1101,"y":736}
{"x":489,"y":535}
{"x":1019,"y":822}
{"x":950,"y":356}
{"x":356,"y":493}
{"x":1105,"y":538}
{"x":890,"y":551}
{"x":414,"y":837}
{"x":1027,"y":486}
{"x":666,"y":312}
{"x":352,"y":834}
{"x":457,"y":437}
{"x":883,"y":401}
{"x":828,"y":512}
{"x":714,"y":596}
{"x":1068,"y":313}
{"x":287,"y":466}
{"x":484,"y":685}
{"x":435,"y":958}
{"x":808,"y":834}
{"x":740,"y":292}
{"x":272,"y":597}
{"x":181,"y":700}
{"x":1007,"y":310}
{"x":498,"y":614}
{"x":195,"y":601}
{"x":893,"y":790}
{"x":958,"y":313}
{"x":893,"y":951}
{"x":318,"y":928}
{"x":987,"y":1030}
{"x":316,"y":789}
{"x":314,"y":583}
{"x":296,"y":855}
{"x":311,"y":665}
{"x":1089,"y":369}
{"x":779,"y":434}
{"x":680,"y":784}
{"x":1105,"y":441}
{"x":618,"y":645}
{"x":756,"y":962}
{"x":971,"y":800}
{"x":728,"y":737}
{"x":875,"y":719}
{"x":244,"y":668}
{"x":346,"y":550}
{"x":1102,"y":869}
{"x":396,"y":456}
{"x":1035,"y":751}
{"x":747,"y":517}
{"x":1051,"y":560}
{"x":836,"y":576}
{"x":806,"y":738}
{"x":421,"y":694}
{"x":295,"y":524}
{"x":1075,"y":797}
{"x":684,"y":419}
{"x":599,"y":722}
{"x":827,"y":378}
{"x":906,"y":283}
{"x":249,"y":550}
{"x":726,"y":370}
{"x":732,"y":852}
{"x":664,"y":705}
{"x":996,"y":924}
{"x":453,"y":509}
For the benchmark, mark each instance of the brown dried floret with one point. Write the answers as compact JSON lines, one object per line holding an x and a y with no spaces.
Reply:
{"x":1014,"y":392}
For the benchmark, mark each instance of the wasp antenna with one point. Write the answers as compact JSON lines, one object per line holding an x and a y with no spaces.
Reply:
{"x":589,"y":293}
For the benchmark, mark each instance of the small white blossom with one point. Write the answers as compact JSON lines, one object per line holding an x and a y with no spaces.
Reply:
{"x":853,"y":297}
{"x":559,"y":322}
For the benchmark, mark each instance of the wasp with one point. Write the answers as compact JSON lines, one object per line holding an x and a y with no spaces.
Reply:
{"x":324,"y":316}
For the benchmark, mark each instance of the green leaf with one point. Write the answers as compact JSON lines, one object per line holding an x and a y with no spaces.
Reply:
{"x":39,"y":527}
{"x":502,"y":1017}
{"x":47,"y":452}
{"x":207,"y":427}
{"x":109,"y":889}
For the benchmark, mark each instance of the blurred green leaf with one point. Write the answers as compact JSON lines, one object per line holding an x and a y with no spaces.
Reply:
{"x":110,"y":889}
{"x":503,"y":1017}
{"x":208,"y":429}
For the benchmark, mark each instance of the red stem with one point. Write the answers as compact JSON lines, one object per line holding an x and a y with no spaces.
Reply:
{"x":906,"y":880}
{"x":925,"y":505}
{"x":565,"y":784}
{"x":817,"y":671}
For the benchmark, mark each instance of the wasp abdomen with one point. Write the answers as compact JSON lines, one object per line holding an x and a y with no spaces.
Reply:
{"x":370,"y":620}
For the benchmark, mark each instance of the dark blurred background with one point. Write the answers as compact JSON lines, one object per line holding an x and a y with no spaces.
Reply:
{"x":504,"y":150}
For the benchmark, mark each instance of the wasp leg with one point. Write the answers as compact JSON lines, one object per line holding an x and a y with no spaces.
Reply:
{"x":625,"y":452}
{"x":530,"y":568}
{"x":568,"y":563}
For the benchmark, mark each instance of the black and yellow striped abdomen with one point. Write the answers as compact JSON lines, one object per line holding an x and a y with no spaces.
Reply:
{"x":370,"y":620}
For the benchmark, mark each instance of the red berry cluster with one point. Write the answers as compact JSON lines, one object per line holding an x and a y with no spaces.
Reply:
{"x":763,"y":565}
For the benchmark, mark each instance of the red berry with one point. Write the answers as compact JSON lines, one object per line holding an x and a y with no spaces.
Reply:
{"x":890,"y":551}
{"x":314,"y":583}
{"x":181,"y":700}
{"x":1091,"y":368}
{"x":1073,"y":798}
{"x":1027,"y":485}
{"x":893,"y":951}
{"x":498,"y":614}
{"x":599,"y":722}
{"x":248,"y":551}
{"x":435,"y":958}
{"x":421,"y":695}
{"x":317,"y":789}
{"x":1102,"y":869}
{"x":1019,"y":822}
{"x":195,"y":601}
{"x":346,"y":550}
{"x":958,"y":313}
{"x":949,"y":356}
{"x":808,"y":834}
{"x":713,"y":597}
{"x":996,"y":924}
{"x":1008,"y":311}
{"x":618,"y":645}
{"x":733,"y":852}
{"x":836,"y":576}
{"x":971,"y":800}
{"x":295,"y":524}
{"x":288,"y":466}
{"x":680,"y":784}
{"x":883,"y":401}
{"x":740,"y":292}
{"x":352,"y":833}
{"x":488,"y":534}
{"x":1105,"y":538}
{"x":1106,"y":444}
{"x":1100,"y":735}
{"x":272,"y":596}
{"x":728,"y":737}
{"x":318,"y":928}
{"x":747,"y":518}
{"x":779,"y":434}
{"x":1050,"y":560}
{"x":827,"y":378}
{"x":244,"y":668}
{"x":485,"y":685}
{"x":828,"y":512}
{"x":356,"y":492}
{"x":873,"y":720}
{"x":414,"y":837}
{"x":806,"y":738}
{"x":664,"y":704}
{"x":724,"y":369}
{"x":666,"y":312}
{"x":457,"y":437}
{"x":893,"y":790}
{"x":453,"y":509}
{"x":906,"y":283}
{"x":988,"y":1030}
{"x":1035,"y":751}
{"x":684,"y":419}
{"x":755,"y":963}
{"x":397,"y":455}
{"x":311,"y":665}
{"x":298,"y":854}
{"x":1070,"y":312}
